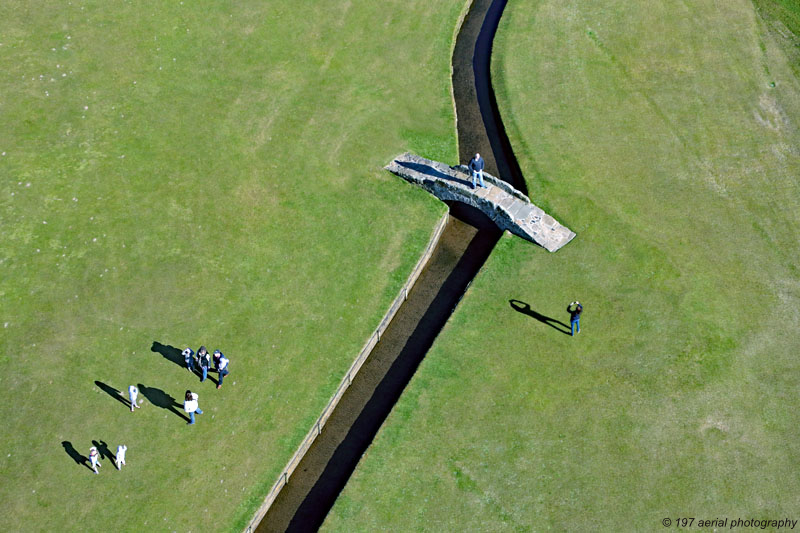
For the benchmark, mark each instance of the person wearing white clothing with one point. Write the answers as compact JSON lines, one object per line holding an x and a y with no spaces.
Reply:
{"x":190,"y":405}
{"x":223,"y":366}
{"x":94,"y":457}
{"x":120,"y":460}
{"x":133,"y":393}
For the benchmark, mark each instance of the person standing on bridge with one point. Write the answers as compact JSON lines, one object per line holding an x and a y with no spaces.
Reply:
{"x":476,"y":165}
{"x":575,"y":316}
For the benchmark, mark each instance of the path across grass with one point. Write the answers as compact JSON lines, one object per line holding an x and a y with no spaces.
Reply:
{"x":195,"y":172}
{"x":655,"y":133}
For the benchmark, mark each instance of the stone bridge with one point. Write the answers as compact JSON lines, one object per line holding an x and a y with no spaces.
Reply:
{"x":507,"y":207}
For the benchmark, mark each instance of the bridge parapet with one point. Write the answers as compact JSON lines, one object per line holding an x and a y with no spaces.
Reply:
{"x":507,"y":207}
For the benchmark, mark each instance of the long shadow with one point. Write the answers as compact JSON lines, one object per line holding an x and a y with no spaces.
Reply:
{"x":161,"y":399}
{"x":79,"y":458}
{"x":430,"y":171}
{"x":114,"y":393}
{"x":525,"y":309}
{"x":475,"y":117}
{"x":170,"y":353}
{"x":102,"y":449}
{"x":311,"y":513}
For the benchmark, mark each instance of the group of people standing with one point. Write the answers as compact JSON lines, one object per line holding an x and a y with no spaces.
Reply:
{"x":203,"y":361}
{"x":119,"y":460}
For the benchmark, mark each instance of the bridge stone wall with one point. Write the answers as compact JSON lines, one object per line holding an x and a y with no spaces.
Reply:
{"x":507,"y":207}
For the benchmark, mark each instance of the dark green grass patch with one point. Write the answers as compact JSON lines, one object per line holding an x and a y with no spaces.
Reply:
{"x":787,"y":11}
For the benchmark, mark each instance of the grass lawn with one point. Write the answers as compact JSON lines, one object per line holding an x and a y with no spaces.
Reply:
{"x":195,"y":173}
{"x":653,"y":131}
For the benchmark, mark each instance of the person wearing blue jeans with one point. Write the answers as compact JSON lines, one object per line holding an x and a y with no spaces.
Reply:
{"x":575,"y":317}
{"x":188,"y":357}
{"x":476,"y":165}
{"x":190,"y":406}
{"x":204,"y":361}
{"x":222,"y":366}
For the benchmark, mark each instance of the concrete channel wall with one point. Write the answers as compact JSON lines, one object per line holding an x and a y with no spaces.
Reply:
{"x":359,"y":361}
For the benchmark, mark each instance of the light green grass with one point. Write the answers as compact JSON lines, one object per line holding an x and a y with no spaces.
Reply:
{"x":198,"y":172}
{"x":653,"y":132}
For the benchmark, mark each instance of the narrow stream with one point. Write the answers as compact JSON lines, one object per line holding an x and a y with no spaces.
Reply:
{"x":463,"y":248}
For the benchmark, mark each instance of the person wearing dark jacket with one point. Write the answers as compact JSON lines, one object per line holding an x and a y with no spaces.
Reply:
{"x":222,"y":366}
{"x":575,"y":317}
{"x":476,"y":165}
{"x":215,"y":359}
{"x":204,"y":360}
{"x":188,"y":358}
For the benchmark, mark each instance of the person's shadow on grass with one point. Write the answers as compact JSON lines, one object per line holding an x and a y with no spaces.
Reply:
{"x":79,"y":458}
{"x":102,"y":449}
{"x":114,"y":393}
{"x":170,"y":353}
{"x":525,"y":309}
{"x":161,"y":399}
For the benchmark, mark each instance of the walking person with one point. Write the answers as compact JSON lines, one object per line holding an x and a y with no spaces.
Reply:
{"x":222,"y":366}
{"x":203,"y":360}
{"x":190,"y":406}
{"x":575,"y":317}
{"x":120,"y":460}
{"x":94,"y":458}
{"x":133,"y":393}
{"x":476,"y":165}
{"x":188,"y":357}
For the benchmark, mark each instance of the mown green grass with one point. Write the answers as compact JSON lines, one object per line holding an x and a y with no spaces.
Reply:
{"x":786,"y":11}
{"x":653,"y":131}
{"x":198,"y":173}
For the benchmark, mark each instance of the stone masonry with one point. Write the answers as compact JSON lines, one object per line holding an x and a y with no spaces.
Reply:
{"x":507,"y":207}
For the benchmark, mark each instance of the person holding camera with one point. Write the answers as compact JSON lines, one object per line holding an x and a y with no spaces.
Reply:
{"x":575,"y":316}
